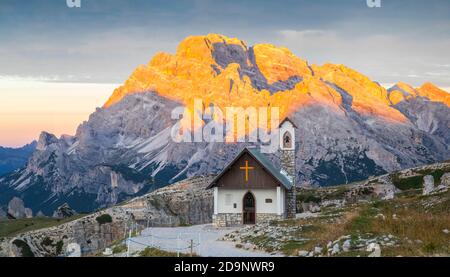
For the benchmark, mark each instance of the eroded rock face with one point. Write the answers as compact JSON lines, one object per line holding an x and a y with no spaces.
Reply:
{"x":186,"y":202}
{"x":16,"y":209}
{"x":64,"y":211}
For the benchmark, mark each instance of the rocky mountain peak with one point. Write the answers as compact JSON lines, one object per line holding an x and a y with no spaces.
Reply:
{"x":433,"y":93}
{"x":46,"y":139}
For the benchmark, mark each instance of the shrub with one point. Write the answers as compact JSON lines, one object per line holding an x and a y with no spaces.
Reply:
{"x":119,"y":249}
{"x":408,"y":183}
{"x":47,"y":241}
{"x":59,"y":247}
{"x":104,"y":219}
{"x":24,"y":248}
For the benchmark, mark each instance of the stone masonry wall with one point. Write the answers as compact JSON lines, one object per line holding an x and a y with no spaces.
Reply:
{"x":288,"y":165}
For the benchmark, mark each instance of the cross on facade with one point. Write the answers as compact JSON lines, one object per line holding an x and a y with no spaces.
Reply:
{"x":246,"y":168}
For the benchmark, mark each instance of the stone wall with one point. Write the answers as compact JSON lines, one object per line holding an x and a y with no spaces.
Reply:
{"x":235,"y":219}
{"x":261,"y":218}
{"x":227,"y":219}
{"x":288,"y":164}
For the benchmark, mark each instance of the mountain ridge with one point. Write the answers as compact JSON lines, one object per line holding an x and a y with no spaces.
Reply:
{"x":350,"y":127}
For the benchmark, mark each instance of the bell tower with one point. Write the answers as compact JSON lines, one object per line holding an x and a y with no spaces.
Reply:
{"x":287,"y":158}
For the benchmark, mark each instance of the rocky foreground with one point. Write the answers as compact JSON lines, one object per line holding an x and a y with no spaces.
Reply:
{"x":186,"y":202}
{"x":405,"y":213}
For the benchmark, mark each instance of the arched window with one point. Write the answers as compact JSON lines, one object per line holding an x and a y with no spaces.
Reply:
{"x":287,"y":140}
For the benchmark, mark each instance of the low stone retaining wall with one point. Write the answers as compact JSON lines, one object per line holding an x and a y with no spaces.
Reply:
{"x":235,"y":219}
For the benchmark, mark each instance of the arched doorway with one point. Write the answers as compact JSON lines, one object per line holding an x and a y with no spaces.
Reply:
{"x":249,"y":209}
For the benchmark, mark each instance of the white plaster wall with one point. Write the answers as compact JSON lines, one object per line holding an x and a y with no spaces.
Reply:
{"x":237,"y":196}
{"x":287,"y":126}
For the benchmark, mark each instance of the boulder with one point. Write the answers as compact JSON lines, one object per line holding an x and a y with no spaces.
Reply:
{"x":428,"y":185}
{"x":40,"y":214}
{"x":445,"y":180}
{"x":16,"y":209}
{"x":310,"y":207}
{"x":429,"y":188}
{"x":28,"y":213}
{"x":73,"y":250}
{"x":303,"y":253}
{"x":347,"y":245}
{"x":336,"y":249}
{"x":375,"y":250}
{"x":318,"y":250}
{"x":64,"y":211}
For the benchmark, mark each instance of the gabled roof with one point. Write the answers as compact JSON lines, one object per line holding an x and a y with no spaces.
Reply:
{"x":262,"y":159}
{"x":289,"y":120}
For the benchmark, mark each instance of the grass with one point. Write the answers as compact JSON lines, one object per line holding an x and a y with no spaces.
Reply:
{"x":154,"y":252}
{"x":9,"y":228}
{"x":121,"y":248}
{"x":415,"y":221}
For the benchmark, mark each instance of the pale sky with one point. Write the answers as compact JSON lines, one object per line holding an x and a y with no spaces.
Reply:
{"x":60,"y":62}
{"x":28,"y":107}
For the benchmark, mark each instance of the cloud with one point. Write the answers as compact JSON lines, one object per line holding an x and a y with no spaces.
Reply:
{"x":383,"y":57}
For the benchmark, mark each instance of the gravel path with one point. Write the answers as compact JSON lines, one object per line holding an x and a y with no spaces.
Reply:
{"x":205,"y":239}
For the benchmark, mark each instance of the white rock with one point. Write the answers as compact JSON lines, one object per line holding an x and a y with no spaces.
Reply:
{"x":329,"y":244}
{"x":108,"y":252}
{"x":336,"y":249}
{"x":303,"y":253}
{"x":73,"y":250}
{"x":446,"y":231}
{"x":428,"y":185}
{"x":318,"y":250}
{"x":375,"y":250}
{"x":381,"y":216}
{"x":346,"y":246}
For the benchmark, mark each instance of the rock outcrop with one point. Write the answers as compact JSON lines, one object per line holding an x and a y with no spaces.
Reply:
{"x":64,"y":211}
{"x":16,"y":209}
{"x":186,"y":202}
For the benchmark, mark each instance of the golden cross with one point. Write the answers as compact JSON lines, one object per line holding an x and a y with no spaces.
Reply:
{"x":246,"y":168}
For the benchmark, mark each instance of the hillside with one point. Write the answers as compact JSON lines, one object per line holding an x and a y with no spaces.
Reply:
{"x":361,"y":219}
{"x":400,"y":212}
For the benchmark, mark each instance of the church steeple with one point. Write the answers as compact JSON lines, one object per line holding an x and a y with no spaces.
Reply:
{"x":287,"y":158}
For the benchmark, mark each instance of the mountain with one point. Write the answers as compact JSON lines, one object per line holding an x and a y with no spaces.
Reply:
{"x":14,"y":158}
{"x":349,"y":127}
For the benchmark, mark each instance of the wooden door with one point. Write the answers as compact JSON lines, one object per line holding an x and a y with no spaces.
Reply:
{"x":249,"y":209}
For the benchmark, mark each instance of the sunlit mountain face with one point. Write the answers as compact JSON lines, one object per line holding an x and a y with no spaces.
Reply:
{"x":349,"y":127}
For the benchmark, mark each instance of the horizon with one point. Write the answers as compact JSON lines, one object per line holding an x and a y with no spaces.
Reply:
{"x":64,"y":62}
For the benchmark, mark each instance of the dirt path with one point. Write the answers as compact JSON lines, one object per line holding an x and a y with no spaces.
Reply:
{"x":204,"y":239}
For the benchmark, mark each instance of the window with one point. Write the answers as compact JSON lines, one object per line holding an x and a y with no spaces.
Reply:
{"x":287,"y":140}
{"x":268,"y":200}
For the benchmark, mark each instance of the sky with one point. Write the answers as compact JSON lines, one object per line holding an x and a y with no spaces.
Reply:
{"x":49,"y":52}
